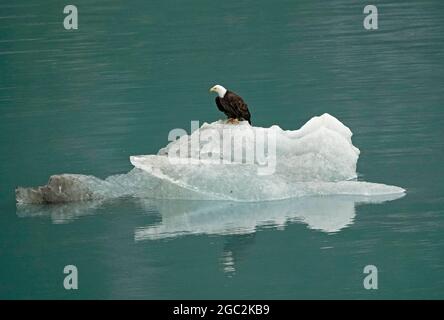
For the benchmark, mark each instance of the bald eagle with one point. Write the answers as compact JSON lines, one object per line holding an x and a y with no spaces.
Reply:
{"x":231,"y":104}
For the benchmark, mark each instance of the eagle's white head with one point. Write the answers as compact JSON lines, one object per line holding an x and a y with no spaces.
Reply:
{"x":219,"y":90}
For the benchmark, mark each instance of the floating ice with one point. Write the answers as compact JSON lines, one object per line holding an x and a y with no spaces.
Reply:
{"x":318,"y":159}
{"x":65,"y":188}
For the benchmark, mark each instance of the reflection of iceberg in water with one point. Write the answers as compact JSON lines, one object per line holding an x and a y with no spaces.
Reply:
{"x":59,"y":213}
{"x":188,"y":217}
{"x":238,"y":222}
{"x":228,"y":262}
{"x":327,"y":214}
{"x":318,"y":159}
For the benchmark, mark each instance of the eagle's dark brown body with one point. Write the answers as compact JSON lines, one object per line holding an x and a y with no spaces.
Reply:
{"x":233,"y":106}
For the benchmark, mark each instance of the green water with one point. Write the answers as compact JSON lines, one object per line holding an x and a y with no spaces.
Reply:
{"x":83,"y":101}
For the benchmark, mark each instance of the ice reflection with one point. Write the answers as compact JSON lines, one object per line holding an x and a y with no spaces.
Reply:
{"x":59,"y":213}
{"x":326,"y":214}
{"x":185,"y":217}
{"x":236,"y":221}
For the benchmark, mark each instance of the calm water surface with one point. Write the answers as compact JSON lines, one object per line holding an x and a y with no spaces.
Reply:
{"x":84,"y":101}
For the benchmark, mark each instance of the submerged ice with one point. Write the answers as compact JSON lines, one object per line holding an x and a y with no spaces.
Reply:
{"x":317,"y":159}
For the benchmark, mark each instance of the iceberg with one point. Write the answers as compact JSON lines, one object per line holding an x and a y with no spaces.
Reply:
{"x":317,"y":159}
{"x":221,"y":161}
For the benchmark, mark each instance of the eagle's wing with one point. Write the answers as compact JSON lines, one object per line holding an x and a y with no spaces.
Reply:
{"x":226,"y":107}
{"x":238,"y":105}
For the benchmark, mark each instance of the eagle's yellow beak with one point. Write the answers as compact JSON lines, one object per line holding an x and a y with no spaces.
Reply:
{"x":212,"y":89}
